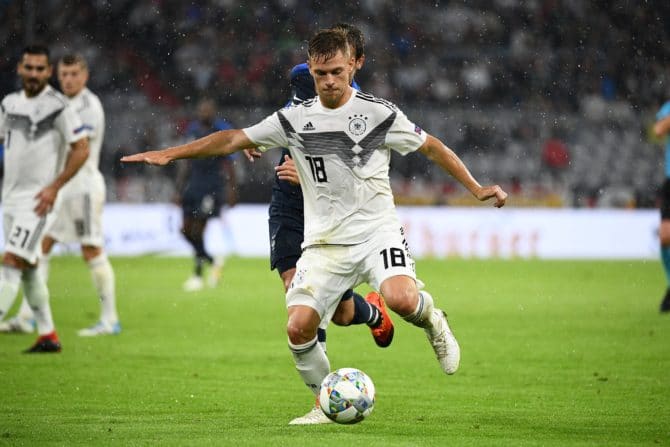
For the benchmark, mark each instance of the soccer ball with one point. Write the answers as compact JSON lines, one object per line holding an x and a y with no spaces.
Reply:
{"x":347,"y":396}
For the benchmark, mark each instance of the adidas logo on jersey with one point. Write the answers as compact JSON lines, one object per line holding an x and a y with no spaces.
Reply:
{"x":308,"y":126}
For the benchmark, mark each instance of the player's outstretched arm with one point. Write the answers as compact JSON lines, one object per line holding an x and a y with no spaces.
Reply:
{"x":223,"y":142}
{"x":440,"y":154}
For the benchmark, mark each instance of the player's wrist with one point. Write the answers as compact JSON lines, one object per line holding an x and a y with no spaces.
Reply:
{"x":57,"y":184}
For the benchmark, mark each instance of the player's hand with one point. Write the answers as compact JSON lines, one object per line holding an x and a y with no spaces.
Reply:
{"x":287,"y":171}
{"x":159,"y":158}
{"x":495,"y":191}
{"x":252,"y":154}
{"x":45,"y":200}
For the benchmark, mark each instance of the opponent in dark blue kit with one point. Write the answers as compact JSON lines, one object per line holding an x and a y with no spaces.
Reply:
{"x":662,"y":130}
{"x":205,"y":185}
{"x":286,"y":218}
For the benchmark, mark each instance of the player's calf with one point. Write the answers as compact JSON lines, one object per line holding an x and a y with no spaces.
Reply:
{"x":421,"y":315}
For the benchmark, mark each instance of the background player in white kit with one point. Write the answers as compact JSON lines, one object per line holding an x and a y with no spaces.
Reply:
{"x":79,"y":218}
{"x":45,"y":144}
{"x":341,"y":144}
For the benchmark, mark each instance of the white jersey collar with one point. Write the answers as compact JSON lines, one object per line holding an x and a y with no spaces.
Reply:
{"x":343,"y":107}
{"x":44,"y":91}
{"x":78,"y":95}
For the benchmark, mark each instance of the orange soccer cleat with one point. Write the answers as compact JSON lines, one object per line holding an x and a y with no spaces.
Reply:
{"x":383,"y":333}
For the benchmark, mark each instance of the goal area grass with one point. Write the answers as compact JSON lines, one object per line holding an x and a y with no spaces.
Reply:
{"x":554,"y":353}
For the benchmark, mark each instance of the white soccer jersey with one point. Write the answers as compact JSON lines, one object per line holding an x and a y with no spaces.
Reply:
{"x":37,"y":133}
{"x":342,"y":156}
{"x":88,"y":178}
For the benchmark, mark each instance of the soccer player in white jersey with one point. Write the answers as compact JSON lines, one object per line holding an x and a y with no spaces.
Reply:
{"x":45,"y":145}
{"x":80,"y":216}
{"x":341,"y":143}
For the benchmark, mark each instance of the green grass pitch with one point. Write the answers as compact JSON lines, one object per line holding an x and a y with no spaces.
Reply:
{"x":553,"y":354}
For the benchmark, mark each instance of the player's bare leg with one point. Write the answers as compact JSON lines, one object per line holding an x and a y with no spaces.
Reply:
{"x":287,"y":277}
{"x":403,"y":297}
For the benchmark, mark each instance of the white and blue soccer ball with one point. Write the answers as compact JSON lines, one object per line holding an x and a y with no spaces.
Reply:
{"x":347,"y":396}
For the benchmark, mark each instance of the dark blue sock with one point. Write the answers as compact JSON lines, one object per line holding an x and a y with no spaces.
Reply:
{"x":321,"y":335}
{"x":364,"y":312}
{"x":665,"y":257}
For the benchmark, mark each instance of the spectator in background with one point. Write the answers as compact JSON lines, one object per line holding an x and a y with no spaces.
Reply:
{"x":205,"y":185}
{"x":555,"y":157}
{"x":661,"y":130}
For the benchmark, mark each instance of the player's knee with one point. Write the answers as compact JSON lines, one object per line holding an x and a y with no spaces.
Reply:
{"x":89,"y":252}
{"x":402,"y":300}
{"x":303,"y":320}
{"x":298,"y":334}
{"x":11,"y":260}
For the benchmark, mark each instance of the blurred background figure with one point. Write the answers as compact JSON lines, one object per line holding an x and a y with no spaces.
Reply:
{"x":45,"y":145}
{"x":204,"y":186}
{"x":556,"y":157}
{"x":661,"y":130}
{"x":79,"y":219}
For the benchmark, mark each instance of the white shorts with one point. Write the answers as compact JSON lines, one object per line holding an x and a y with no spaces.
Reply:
{"x":323,"y":273}
{"x":80,"y":219}
{"x":24,"y":231}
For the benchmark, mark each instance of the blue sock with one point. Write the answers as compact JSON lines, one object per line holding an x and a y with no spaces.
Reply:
{"x":364,"y":312}
{"x":665,"y":257}
{"x":321,"y":335}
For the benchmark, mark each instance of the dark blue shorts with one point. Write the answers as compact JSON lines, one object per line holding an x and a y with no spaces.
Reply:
{"x":285,"y":240}
{"x":665,"y":199}
{"x":201,"y":207}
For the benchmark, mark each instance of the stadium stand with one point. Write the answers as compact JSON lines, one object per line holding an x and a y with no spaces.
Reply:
{"x":494,"y":79}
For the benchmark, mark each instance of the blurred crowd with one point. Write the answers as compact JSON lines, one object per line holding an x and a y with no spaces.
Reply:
{"x":552,"y":98}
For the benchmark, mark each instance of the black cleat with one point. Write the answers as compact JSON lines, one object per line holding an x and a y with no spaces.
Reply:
{"x":44,"y":344}
{"x":665,"y":304}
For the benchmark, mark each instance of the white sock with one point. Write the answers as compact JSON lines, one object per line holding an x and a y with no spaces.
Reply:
{"x":43,"y":267}
{"x":25,"y":312}
{"x":103,"y":279}
{"x":311,"y":362}
{"x":219,"y":261}
{"x":10,"y":281}
{"x":423,"y":313}
{"x":37,"y":294}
